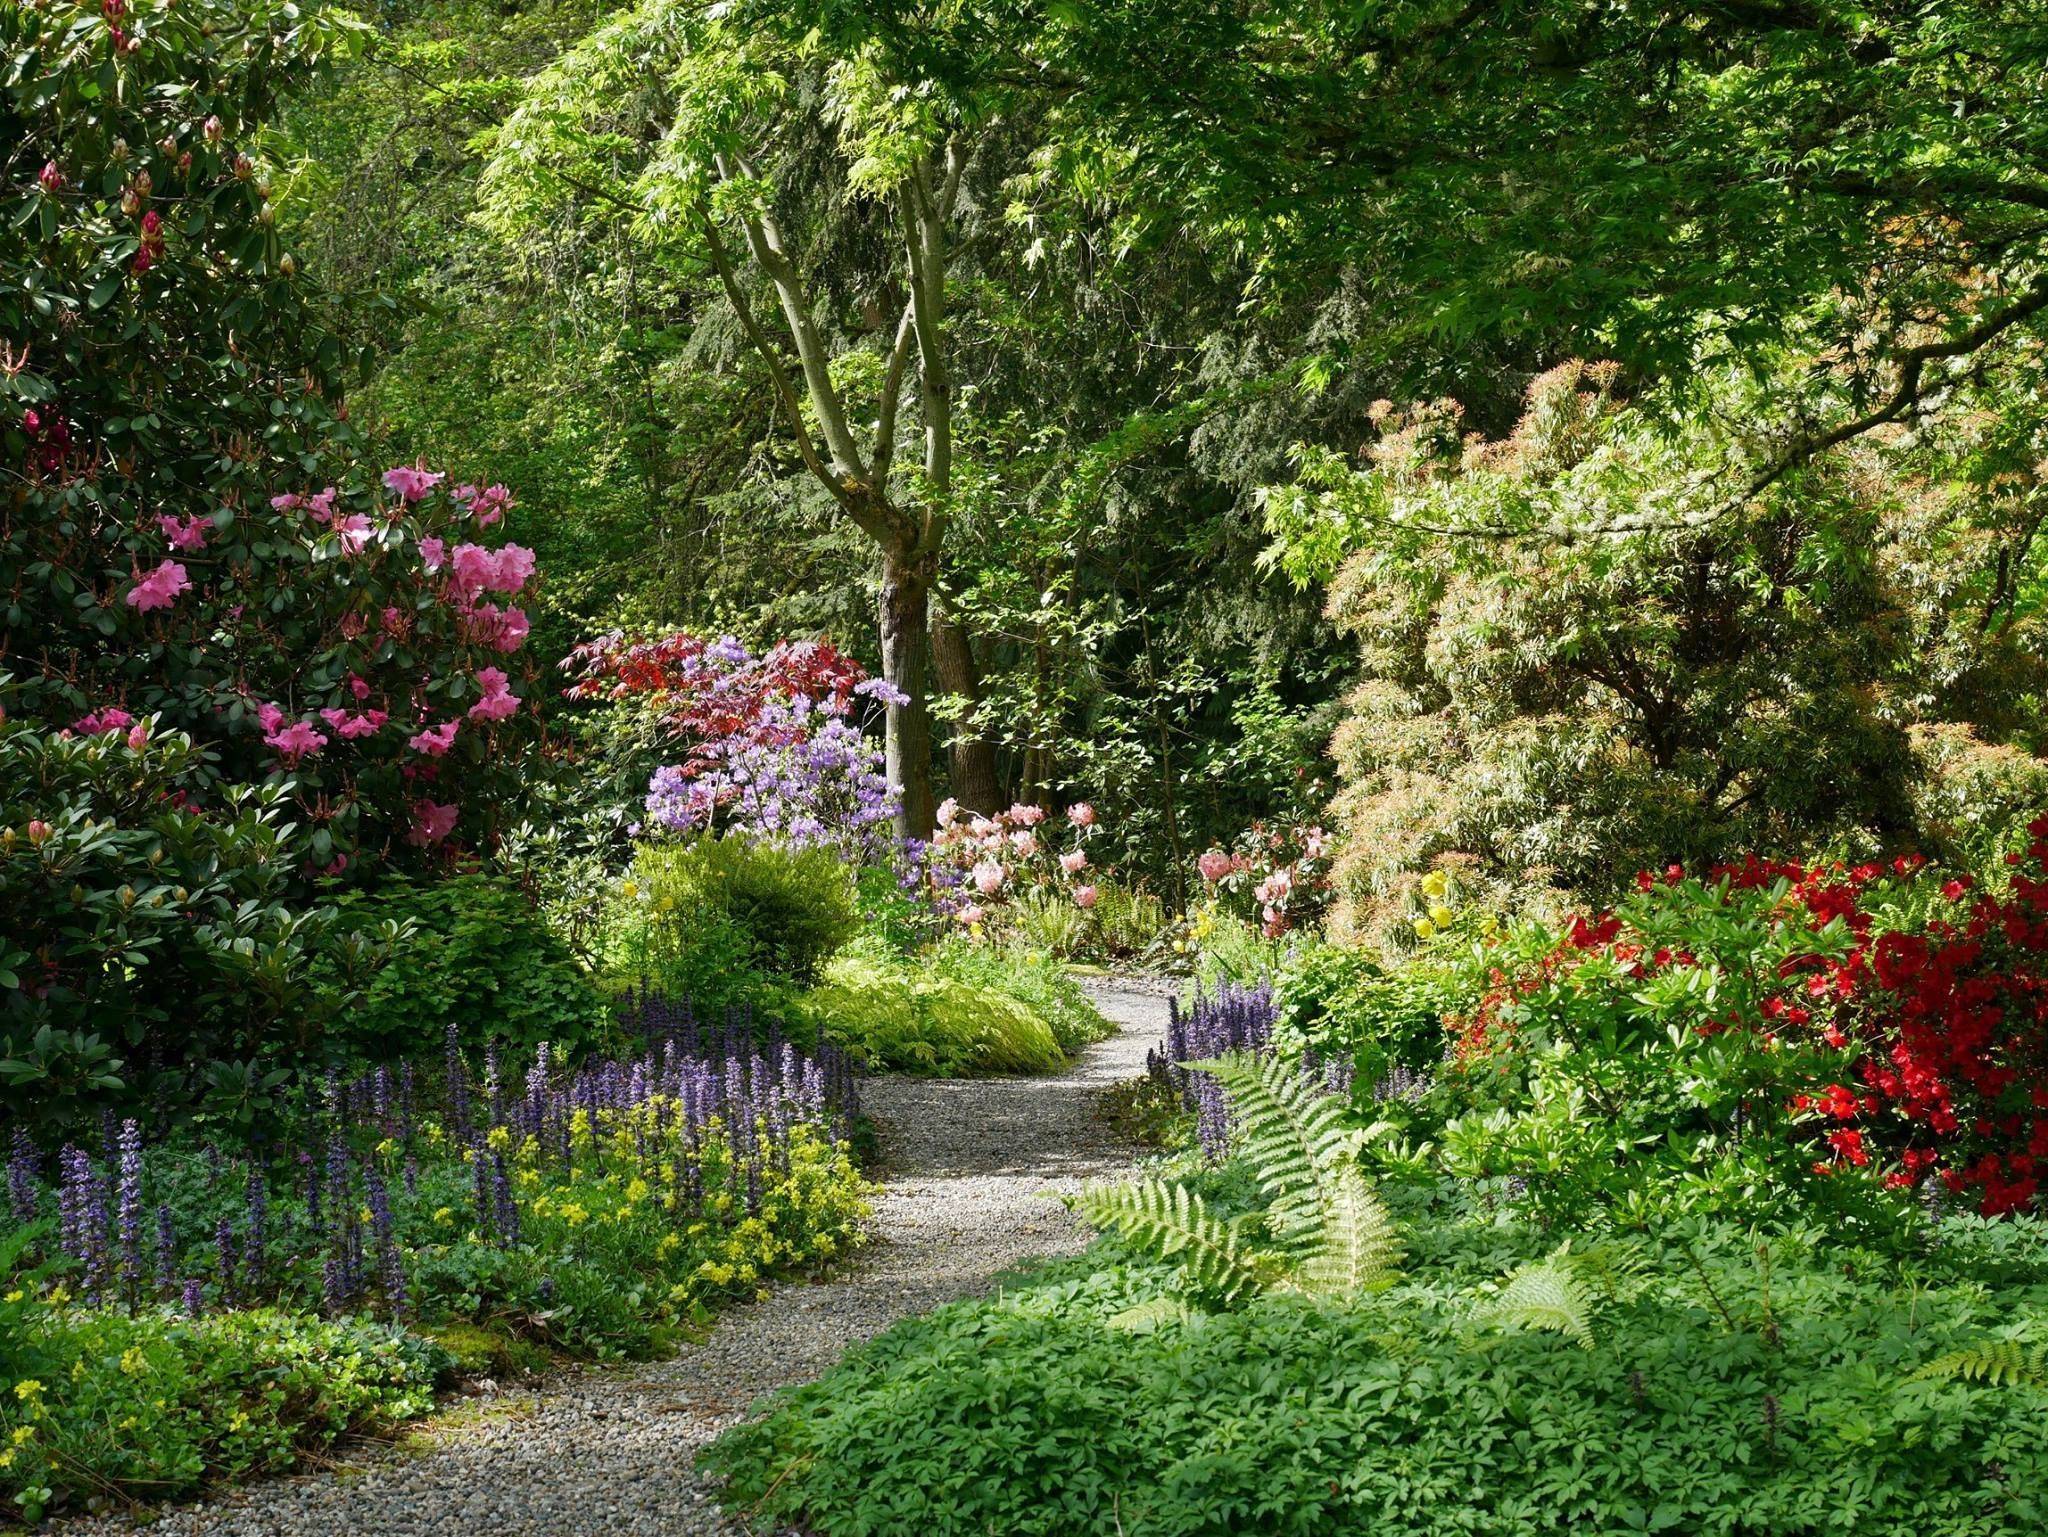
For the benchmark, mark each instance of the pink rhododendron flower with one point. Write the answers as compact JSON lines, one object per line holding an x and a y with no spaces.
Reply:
{"x":970,"y":914}
{"x":435,"y":740}
{"x":948,"y":812}
{"x":358,"y":686}
{"x":159,"y":589}
{"x":1214,"y":864}
{"x":512,"y":630}
{"x":353,"y":532}
{"x":1027,"y":816}
{"x":353,"y":727}
{"x":269,"y":717}
{"x":988,"y":877}
{"x":432,"y":553}
{"x":499,"y":702}
{"x":486,"y":506}
{"x":287,"y":501}
{"x":187,"y":533}
{"x":515,"y":567}
{"x":1085,"y":896}
{"x":320,"y":506}
{"x":474,"y":567}
{"x":1026,"y":844}
{"x":298,"y":740}
{"x":1081,"y":814}
{"x":411,"y":482}
{"x":138,"y":736}
{"x":1074,"y":862}
{"x":431,"y":822}
{"x":110,"y":719}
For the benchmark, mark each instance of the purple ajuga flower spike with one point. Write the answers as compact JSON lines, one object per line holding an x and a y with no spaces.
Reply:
{"x":128,"y":1208}
{"x":194,"y":1299}
{"x":256,"y":1220}
{"x":224,"y":1260}
{"x":390,"y":1263}
{"x":22,"y":1164}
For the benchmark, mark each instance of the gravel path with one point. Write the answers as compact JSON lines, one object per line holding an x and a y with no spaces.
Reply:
{"x":969,"y":1165}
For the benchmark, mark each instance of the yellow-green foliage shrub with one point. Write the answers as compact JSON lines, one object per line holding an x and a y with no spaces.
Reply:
{"x":900,"y":1019}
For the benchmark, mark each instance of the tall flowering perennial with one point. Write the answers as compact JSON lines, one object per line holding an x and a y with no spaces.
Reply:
{"x":1890,"y":1020}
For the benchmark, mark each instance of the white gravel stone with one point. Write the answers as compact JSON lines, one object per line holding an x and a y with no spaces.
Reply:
{"x":972,"y":1168}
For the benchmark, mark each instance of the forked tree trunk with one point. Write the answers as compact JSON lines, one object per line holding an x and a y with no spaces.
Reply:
{"x":905,"y":616}
{"x":974,"y":782}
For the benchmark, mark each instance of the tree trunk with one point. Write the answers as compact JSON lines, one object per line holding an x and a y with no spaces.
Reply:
{"x":974,"y":782}
{"x":906,"y":662}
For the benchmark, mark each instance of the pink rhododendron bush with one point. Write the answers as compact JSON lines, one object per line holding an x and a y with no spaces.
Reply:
{"x":240,"y":656}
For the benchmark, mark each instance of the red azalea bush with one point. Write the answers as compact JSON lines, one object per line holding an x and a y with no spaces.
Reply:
{"x":1883,"y":1021}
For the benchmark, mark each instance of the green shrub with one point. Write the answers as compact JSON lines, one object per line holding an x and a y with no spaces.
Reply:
{"x":474,"y":953}
{"x":780,"y":912}
{"x":1031,"y":977}
{"x":896,"y":1018}
{"x":158,"y":1404}
{"x":1339,"y":1002}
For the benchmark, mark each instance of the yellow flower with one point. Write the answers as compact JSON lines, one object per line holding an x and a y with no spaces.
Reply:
{"x":444,"y":1215}
{"x":574,"y":1215}
{"x":7,"y":1458}
{"x":1441,"y":916}
{"x":1435,"y":884}
{"x":636,"y":1192}
{"x":1424,"y":928}
{"x":133,"y":1362}
{"x":23,"y":1434}
{"x":27,"y":1388}
{"x":15,"y":1295}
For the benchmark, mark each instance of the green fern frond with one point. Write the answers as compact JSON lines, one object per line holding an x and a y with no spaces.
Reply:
{"x":1547,"y":1295}
{"x":1290,"y":1133}
{"x":2001,"y":1363}
{"x":1173,"y":1223}
{"x":1358,"y":1247}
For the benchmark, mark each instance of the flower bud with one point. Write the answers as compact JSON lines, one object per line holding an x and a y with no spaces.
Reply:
{"x":212,"y":130}
{"x":39,"y":833}
{"x":285,"y":264}
{"x":244,"y":168}
{"x":266,"y":215}
{"x":119,"y":152}
{"x":52,"y":179}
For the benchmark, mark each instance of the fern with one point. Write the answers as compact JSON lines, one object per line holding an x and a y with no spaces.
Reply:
{"x":1550,"y":1294}
{"x":1289,"y":1132}
{"x":2001,"y":1363}
{"x":1173,"y":1223}
{"x":1334,"y":1233}
{"x":1357,"y":1247}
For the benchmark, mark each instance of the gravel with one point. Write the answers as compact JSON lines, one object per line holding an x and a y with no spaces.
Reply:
{"x":971,"y":1167}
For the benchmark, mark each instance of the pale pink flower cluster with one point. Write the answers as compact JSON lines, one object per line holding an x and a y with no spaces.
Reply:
{"x":999,"y":858}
